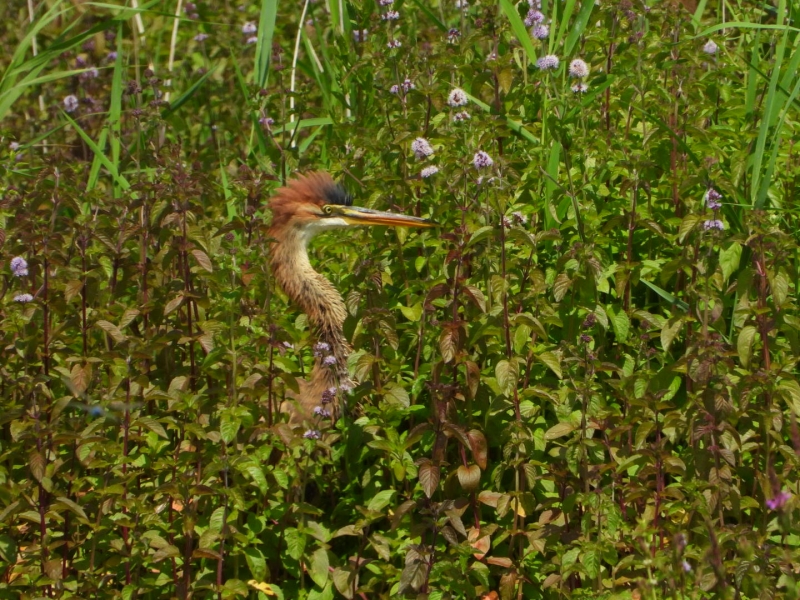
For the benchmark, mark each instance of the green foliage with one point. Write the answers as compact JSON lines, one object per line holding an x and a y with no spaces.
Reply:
{"x":578,"y":386}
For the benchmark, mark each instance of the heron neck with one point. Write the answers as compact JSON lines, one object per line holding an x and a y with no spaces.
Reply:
{"x":318,"y":299}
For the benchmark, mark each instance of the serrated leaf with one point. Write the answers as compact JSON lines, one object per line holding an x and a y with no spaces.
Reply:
{"x":469,"y":477}
{"x":561,"y":286}
{"x":429,"y":478}
{"x":477,"y":296}
{"x":412,"y":313}
{"x":80,"y":376}
{"x":345,"y":582}
{"x":552,"y":360}
{"x":153,"y":425}
{"x":381,"y":500}
{"x":669,"y":331}
{"x":319,"y":567}
{"x":448,"y":344}
{"x":229,"y":427}
{"x":620,"y":323}
{"x":688,"y":224}
{"x":295,"y":543}
{"x":559,"y":430}
{"x":398,"y":396}
{"x":479,"y":447}
{"x":166,"y":552}
{"x":72,"y":288}
{"x":203,"y":260}
{"x":72,"y":505}
{"x":113,"y":331}
{"x":744,"y":344}
{"x":729,"y":260}
{"x":790,"y":390}
{"x":173,"y":304}
{"x":8,"y":548}
{"x":37,"y":464}
{"x":507,"y":373}
{"x":779,"y":285}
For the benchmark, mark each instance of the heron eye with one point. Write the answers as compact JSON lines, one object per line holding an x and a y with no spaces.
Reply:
{"x":327,"y":209}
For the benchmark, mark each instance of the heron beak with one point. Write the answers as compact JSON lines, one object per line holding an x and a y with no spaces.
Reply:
{"x":356,"y":215}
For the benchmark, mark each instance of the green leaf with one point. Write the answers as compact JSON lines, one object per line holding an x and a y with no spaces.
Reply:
{"x":319,"y":567}
{"x":507,"y":373}
{"x":729,"y":260}
{"x":553,"y":362}
{"x":620,"y":323}
{"x":412,"y":313}
{"x":744,"y":344}
{"x":559,"y":430}
{"x":790,"y":390}
{"x":669,"y":331}
{"x":8,"y":548}
{"x":381,"y":500}
{"x":295,"y":543}
{"x":256,"y":563}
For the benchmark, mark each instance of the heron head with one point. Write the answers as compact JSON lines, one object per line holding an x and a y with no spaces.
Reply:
{"x":315,"y":203}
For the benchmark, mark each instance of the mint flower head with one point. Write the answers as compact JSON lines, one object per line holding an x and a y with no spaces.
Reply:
{"x":421,"y":148}
{"x":578,"y":69}
{"x":482,"y":160}
{"x":19,"y":266}
{"x":540,"y":31}
{"x":549,"y":62}
{"x":457,"y":97}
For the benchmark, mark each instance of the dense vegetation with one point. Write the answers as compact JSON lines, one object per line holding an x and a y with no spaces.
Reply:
{"x":582,"y":384}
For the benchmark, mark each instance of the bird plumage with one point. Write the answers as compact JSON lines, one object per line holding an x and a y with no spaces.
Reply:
{"x":306,"y":206}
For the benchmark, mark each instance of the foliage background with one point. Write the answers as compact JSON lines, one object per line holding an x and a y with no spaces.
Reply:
{"x":572,"y":388}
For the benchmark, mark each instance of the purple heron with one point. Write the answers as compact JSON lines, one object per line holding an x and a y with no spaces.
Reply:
{"x":309,"y":205}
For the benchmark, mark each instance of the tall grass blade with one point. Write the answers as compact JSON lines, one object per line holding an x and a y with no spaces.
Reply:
{"x":519,"y":29}
{"x":266,"y":30}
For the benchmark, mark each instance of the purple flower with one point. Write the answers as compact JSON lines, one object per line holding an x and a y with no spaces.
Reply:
{"x":112,"y":56}
{"x":394,"y":44}
{"x":328,"y":395}
{"x":533,"y":17}
{"x":201,"y":37}
{"x":312,"y":434}
{"x":288,"y":345}
{"x":779,"y":500}
{"x":390,"y":15}
{"x":457,"y":97}
{"x":461,"y":116}
{"x":540,"y":31}
{"x":713,"y":198}
{"x":320,"y":348}
{"x":548,"y":63}
{"x":537,"y":4}
{"x":453,"y":35}
{"x":23,"y":298}
{"x":323,"y":412}
{"x":421,"y":148}
{"x":19,"y":266}
{"x":519,"y":218}
{"x":481,"y":160}
{"x":710,"y":47}
{"x":429,"y":172}
{"x":579,"y":88}
{"x":395,"y":89}
{"x":249,"y":28}
{"x":713,"y":224}
{"x":329,"y":360}
{"x":578,"y":69}
{"x":686,"y":566}
{"x":251,"y":40}
{"x":266,"y":122}
{"x":71,"y":103}
{"x":13,"y":146}
{"x":386,"y":2}
{"x":360,"y":36}
{"x":407,"y":85}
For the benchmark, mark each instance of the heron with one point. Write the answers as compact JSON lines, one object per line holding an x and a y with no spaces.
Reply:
{"x":308,"y":205}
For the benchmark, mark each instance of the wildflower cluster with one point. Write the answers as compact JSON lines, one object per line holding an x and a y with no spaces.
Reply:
{"x":321,"y":350}
{"x":578,"y":69}
{"x":712,"y":199}
{"x":421,"y":148}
